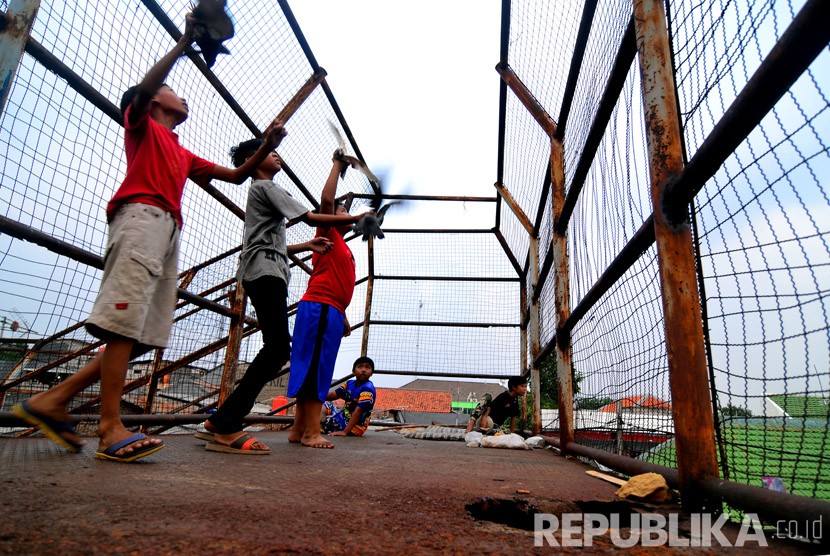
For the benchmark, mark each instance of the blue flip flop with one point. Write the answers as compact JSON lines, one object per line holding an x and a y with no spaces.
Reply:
{"x":52,"y":428}
{"x":111,"y":455}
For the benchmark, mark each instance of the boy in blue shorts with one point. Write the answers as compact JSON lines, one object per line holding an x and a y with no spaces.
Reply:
{"x":359,"y":394}
{"x":321,"y":321}
{"x":133,"y":312}
{"x":264,"y":273}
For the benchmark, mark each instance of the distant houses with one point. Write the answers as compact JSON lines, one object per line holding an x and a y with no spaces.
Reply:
{"x":629,"y":426}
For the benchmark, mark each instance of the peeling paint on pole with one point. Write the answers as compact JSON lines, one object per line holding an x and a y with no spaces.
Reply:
{"x":685,"y":349}
{"x":16,"y":25}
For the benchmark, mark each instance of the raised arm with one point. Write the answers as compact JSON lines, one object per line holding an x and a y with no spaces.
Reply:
{"x":273,"y":136}
{"x":328,"y":220}
{"x":154,"y":78}
{"x":327,"y":205}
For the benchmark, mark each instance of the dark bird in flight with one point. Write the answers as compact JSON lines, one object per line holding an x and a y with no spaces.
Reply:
{"x":370,"y":224}
{"x":212,"y":26}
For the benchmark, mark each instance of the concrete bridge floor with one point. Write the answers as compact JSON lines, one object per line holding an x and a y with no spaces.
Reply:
{"x":381,"y":494}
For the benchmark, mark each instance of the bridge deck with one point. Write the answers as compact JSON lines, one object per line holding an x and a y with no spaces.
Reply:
{"x":381,"y":494}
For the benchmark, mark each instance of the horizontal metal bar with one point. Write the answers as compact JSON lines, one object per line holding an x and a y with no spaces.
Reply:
{"x":27,"y":233}
{"x":585,"y":25}
{"x":53,"y":64}
{"x":642,"y":240}
{"x":515,"y":208}
{"x":9,"y":419}
{"x":446,"y":278}
{"x":428,"y":198}
{"x":805,"y":38}
{"x":629,"y":466}
{"x":547,"y":265}
{"x":770,"y":503}
{"x":526,"y":98}
{"x":616,"y":81}
{"x":510,"y":256}
{"x":495,"y":375}
{"x":438,"y":323}
{"x":434,"y":231}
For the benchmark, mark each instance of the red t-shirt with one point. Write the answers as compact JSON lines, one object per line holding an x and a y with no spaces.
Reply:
{"x":157,"y":168}
{"x":333,"y":276}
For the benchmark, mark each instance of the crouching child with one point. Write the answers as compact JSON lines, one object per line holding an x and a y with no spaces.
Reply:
{"x":352,"y":419}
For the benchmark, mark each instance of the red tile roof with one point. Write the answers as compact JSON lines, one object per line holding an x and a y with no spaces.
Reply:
{"x":413,"y":400}
{"x":642,"y":402}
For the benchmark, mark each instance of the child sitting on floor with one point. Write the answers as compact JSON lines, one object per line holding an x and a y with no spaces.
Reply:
{"x":359,"y":394}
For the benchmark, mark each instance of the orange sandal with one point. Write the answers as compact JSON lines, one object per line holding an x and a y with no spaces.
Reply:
{"x":244,"y":444}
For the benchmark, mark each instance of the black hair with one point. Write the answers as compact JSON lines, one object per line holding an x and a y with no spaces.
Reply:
{"x":516,"y":381}
{"x":244,"y":150}
{"x":129,"y":96}
{"x":364,"y":359}
{"x":127,"y":99}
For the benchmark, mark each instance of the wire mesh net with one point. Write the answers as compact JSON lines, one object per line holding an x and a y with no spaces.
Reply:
{"x":449,"y":302}
{"x":760,"y":232}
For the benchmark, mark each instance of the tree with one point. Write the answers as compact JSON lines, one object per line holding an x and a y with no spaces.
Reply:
{"x":730,"y":410}
{"x":593,"y":402}
{"x":550,"y":382}
{"x":9,"y":352}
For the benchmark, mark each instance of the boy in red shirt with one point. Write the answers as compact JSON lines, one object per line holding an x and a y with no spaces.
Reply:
{"x":321,"y":322}
{"x":134,"y":308}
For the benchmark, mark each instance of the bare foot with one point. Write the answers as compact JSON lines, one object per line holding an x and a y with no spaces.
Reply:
{"x":295,"y":436}
{"x":316,"y":441}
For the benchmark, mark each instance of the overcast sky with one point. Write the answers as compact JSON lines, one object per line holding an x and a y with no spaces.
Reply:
{"x":417,"y":84}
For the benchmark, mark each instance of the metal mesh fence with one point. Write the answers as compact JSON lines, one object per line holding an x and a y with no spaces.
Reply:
{"x":760,"y":229}
{"x":63,"y":159}
{"x":448,"y":303}
{"x":763,"y":225}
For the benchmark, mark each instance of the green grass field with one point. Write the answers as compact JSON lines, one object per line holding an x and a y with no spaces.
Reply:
{"x":797,"y":455}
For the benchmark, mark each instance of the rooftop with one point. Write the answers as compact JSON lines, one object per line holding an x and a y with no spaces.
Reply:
{"x":378,"y":494}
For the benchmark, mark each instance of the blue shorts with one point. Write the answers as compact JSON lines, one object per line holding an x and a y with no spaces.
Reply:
{"x":318,"y":330}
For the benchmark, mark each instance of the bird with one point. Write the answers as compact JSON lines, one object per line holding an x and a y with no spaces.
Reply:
{"x":370,"y":224}
{"x":212,"y":26}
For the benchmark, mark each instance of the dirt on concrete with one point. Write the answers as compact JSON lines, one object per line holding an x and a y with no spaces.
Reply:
{"x":380,"y":494}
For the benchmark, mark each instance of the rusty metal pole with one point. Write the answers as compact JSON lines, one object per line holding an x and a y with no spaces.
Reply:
{"x":688,"y":376}
{"x":524,"y":304}
{"x":533,"y":335}
{"x":559,"y":245}
{"x":152,"y":388}
{"x":370,"y":285}
{"x":17,"y":23}
{"x":238,"y":301}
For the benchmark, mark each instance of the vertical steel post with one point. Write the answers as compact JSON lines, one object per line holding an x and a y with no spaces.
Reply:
{"x":16,"y":25}
{"x":524,"y":303}
{"x":688,"y":377}
{"x":152,"y":387}
{"x":533,"y":335}
{"x":370,"y":285}
{"x":559,"y":245}
{"x":238,"y":301}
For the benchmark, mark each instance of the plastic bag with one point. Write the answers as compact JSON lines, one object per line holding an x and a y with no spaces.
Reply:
{"x":535,"y":442}
{"x":473,"y":439}
{"x":513,"y":441}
